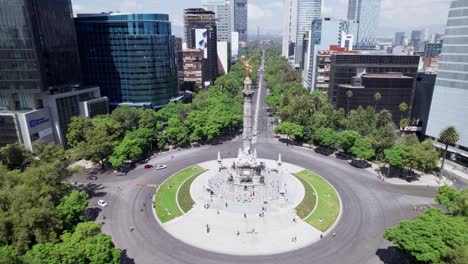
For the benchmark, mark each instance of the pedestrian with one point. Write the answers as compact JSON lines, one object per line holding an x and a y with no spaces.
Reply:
{"x":226,"y":204}
{"x":217,"y":211}
{"x":131,"y":228}
{"x":245,"y":215}
{"x":294,"y":220}
{"x":321,"y":236}
{"x":238,"y":233}
{"x":334,"y":234}
{"x":141,"y":209}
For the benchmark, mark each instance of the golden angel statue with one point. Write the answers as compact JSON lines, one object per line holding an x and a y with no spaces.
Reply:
{"x":247,"y":66}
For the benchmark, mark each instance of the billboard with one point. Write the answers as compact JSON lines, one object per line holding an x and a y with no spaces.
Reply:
{"x":201,"y":40}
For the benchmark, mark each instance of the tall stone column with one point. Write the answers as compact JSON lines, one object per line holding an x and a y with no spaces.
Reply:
{"x":247,"y":131}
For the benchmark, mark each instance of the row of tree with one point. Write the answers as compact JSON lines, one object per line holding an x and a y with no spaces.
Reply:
{"x":41,"y":217}
{"x":436,"y":236}
{"x":363,"y":132}
{"x":132,"y":134}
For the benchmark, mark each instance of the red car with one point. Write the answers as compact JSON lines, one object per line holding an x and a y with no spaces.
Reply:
{"x":148,"y":166}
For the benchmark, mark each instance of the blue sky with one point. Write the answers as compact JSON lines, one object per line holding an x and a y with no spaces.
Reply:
{"x":395,"y":14}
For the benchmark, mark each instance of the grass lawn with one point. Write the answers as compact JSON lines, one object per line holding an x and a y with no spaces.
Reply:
{"x":166,"y":198}
{"x":328,"y":203}
{"x":184,"y":198}
{"x":308,"y":203}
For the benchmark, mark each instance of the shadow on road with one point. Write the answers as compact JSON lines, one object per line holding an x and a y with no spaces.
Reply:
{"x":124,"y":259}
{"x":91,"y":213}
{"x":93,"y":190}
{"x":391,"y":255}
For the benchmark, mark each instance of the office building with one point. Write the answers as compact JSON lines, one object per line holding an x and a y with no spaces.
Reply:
{"x":323,"y":65}
{"x":399,"y":39}
{"x":38,"y":51}
{"x":38,"y":54}
{"x":365,"y":13}
{"x":289,"y":27}
{"x":240,"y":19}
{"x":417,"y":38}
{"x":394,"y":88}
{"x":346,"y":66}
{"x":222,"y":10}
{"x":131,"y":57}
{"x":432,"y":49}
{"x":324,"y":33}
{"x":66,"y":103}
{"x":425,"y":83}
{"x":234,"y":46}
{"x":191,"y":69}
{"x":307,"y":11}
{"x":200,"y":33}
{"x":449,"y":103}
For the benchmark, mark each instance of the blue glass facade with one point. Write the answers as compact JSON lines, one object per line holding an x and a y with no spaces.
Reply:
{"x":131,"y":57}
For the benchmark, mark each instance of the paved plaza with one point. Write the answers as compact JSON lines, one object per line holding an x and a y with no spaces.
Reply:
{"x":266,"y":228}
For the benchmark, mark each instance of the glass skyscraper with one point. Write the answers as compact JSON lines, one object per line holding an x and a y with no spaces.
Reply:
{"x":365,"y":13}
{"x":240,"y":18}
{"x":131,"y":57}
{"x":307,"y":11}
{"x":38,"y":51}
{"x":449,"y":105}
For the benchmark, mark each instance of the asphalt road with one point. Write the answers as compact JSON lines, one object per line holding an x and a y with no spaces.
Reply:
{"x":369,"y":207}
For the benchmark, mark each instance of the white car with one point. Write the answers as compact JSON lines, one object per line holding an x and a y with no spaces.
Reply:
{"x":102,"y":203}
{"x":160,"y":167}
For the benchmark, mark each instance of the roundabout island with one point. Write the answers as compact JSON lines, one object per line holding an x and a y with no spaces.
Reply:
{"x":317,"y":195}
{"x":247,"y":205}
{"x":249,"y":222}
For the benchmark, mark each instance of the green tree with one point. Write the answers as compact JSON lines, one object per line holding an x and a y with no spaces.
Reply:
{"x":15,"y":156}
{"x":48,"y":152}
{"x":72,"y":208}
{"x":349,"y":94}
{"x":135,"y":145}
{"x":177,"y":133}
{"x":325,"y":137}
{"x":147,"y":119}
{"x":291,"y":130}
{"x":448,"y":136}
{"x":100,"y":140}
{"x":457,"y":255}
{"x":384,"y":117}
{"x":403,"y":107}
{"x":377,"y":98}
{"x":347,"y":138}
{"x":456,"y":202}
{"x":85,"y":245}
{"x":393,"y":156}
{"x":126,"y":116}
{"x":430,"y":236}
{"x":77,"y":130}
{"x":8,"y":255}
{"x":362,"y":149}
{"x":362,"y":120}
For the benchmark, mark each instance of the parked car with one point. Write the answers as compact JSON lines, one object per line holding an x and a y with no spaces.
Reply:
{"x":92,"y":178}
{"x":324,"y":151}
{"x":160,"y":167}
{"x":102,"y":203}
{"x":361,"y":164}
{"x":148,"y":166}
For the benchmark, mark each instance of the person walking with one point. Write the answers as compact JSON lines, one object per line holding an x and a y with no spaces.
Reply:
{"x":245,"y":215}
{"x":334,"y":234}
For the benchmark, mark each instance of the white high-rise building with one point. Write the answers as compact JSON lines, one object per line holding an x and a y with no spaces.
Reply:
{"x":307,"y":11}
{"x":449,"y":105}
{"x":289,"y":27}
{"x":323,"y":33}
{"x":366,"y":15}
{"x":299,"y":16}
{"x":222,"y":8}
